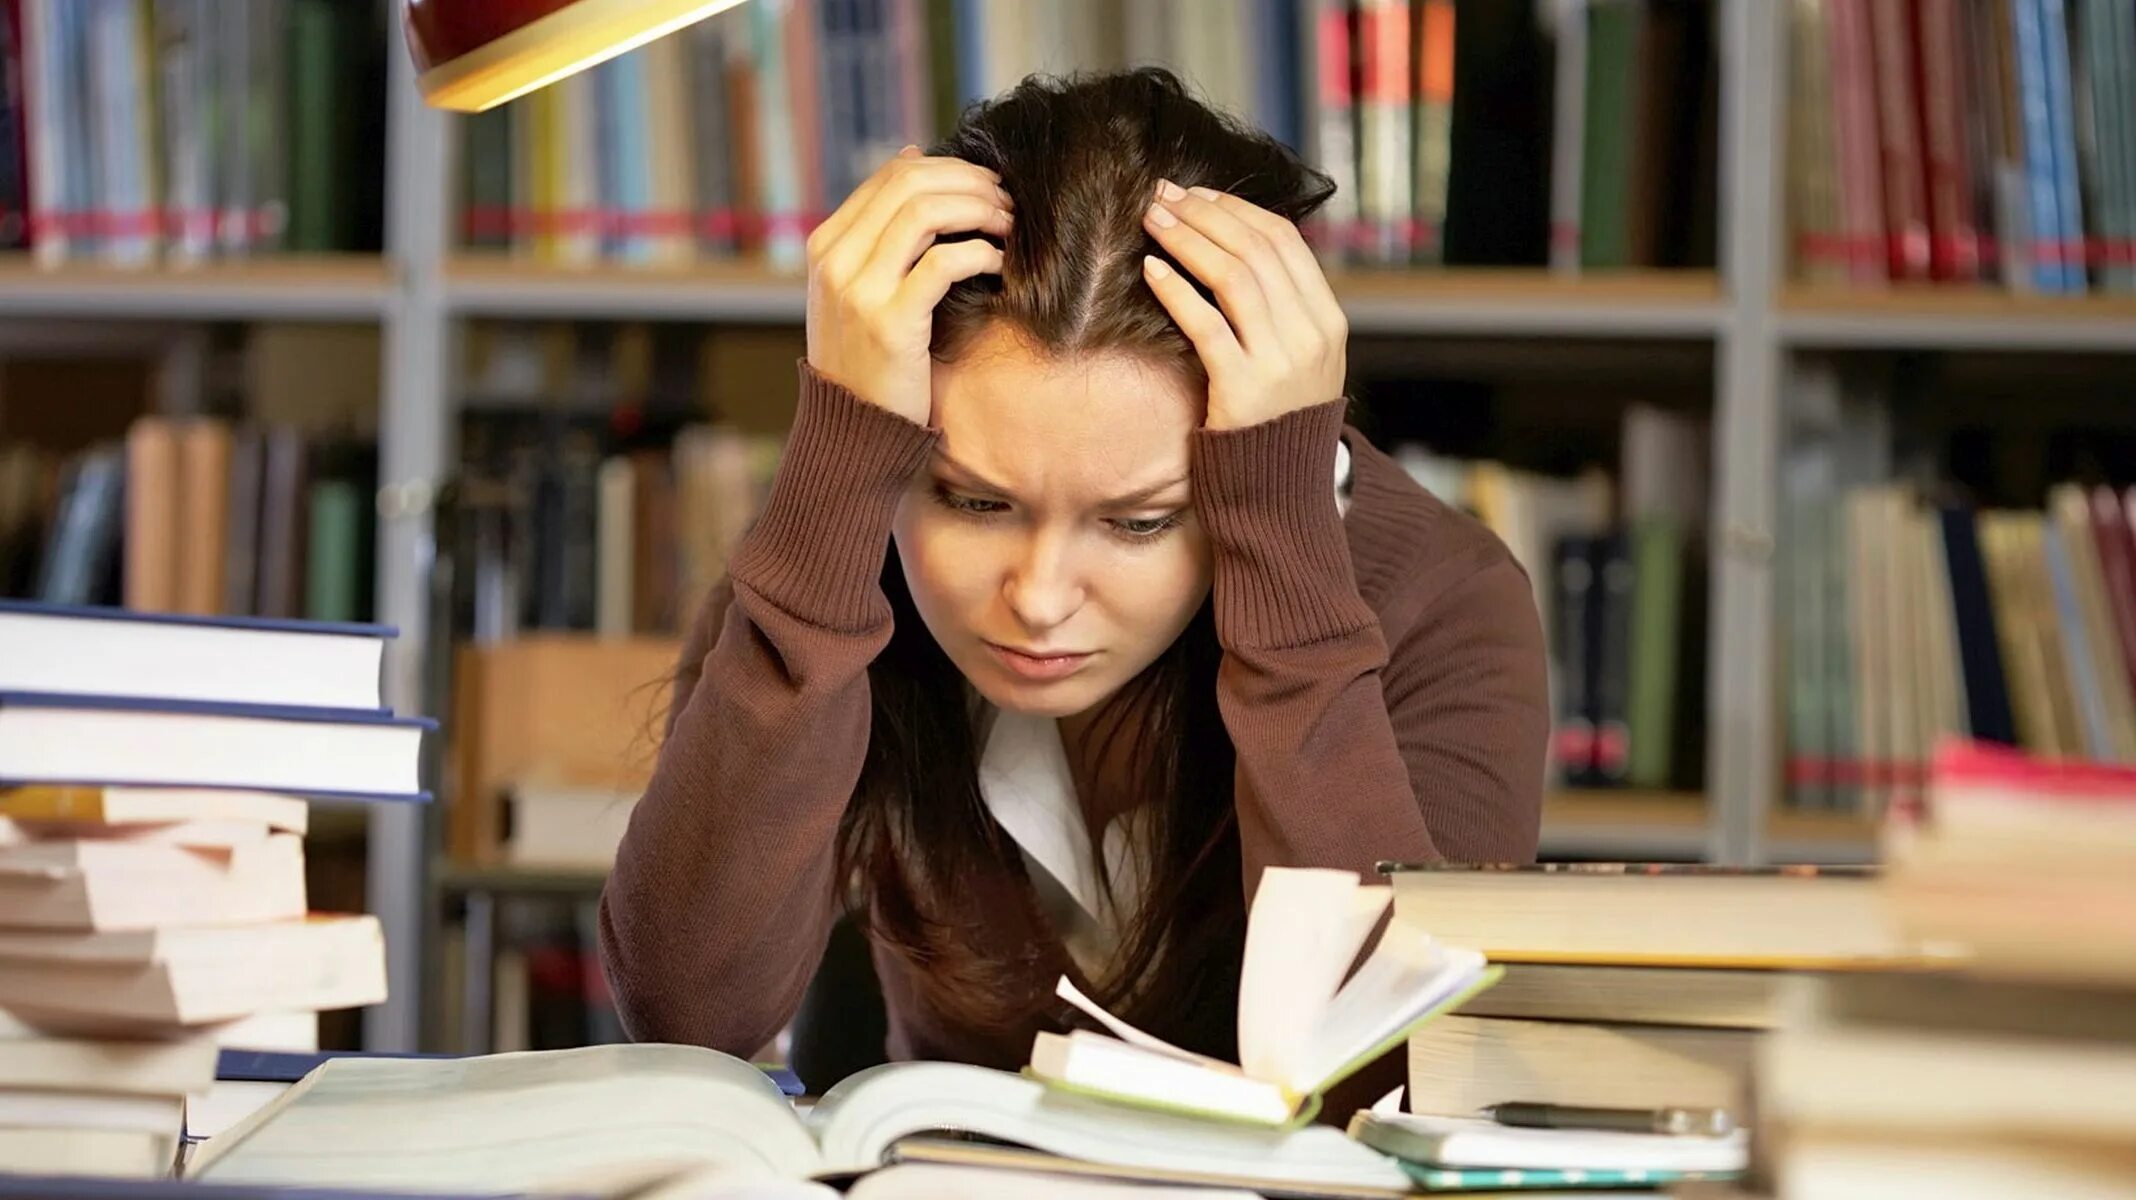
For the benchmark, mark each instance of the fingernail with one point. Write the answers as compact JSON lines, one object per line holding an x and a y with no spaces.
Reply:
{"x":1169,"y":190}
{"x":908,"y":151}
{"x":1002,"y":195}
{"x":1204,"y":193}
{"x":1162,"y":217}
{"x":1155,"y":266}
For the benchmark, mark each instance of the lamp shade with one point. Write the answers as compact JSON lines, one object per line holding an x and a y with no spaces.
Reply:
{"x":473,"y":54}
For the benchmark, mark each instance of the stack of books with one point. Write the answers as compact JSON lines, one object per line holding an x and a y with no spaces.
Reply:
{"x":2015,"y":1077}
{"x":152,"y":894}
{"x":1629,"y":985}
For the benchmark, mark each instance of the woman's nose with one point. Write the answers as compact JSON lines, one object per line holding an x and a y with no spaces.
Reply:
{"x":1043,"y":590}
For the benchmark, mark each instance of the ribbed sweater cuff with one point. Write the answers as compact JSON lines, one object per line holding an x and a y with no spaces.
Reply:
{"x":1266,"y":494}
{"x":817,"y":549}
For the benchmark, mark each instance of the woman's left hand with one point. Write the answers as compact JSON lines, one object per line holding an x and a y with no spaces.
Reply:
{"x":1280,"y":341}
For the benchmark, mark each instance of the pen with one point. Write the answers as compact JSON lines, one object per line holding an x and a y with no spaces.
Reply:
{"x":1704,"y":1122}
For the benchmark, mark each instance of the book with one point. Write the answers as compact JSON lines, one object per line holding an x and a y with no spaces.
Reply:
{"x":157,"y":978}
{"x":1302,"y":1027}
{"x":1955,"y":1057}
{"x":522,"y":1120}
{"x":79,"y":739}
{"x":127,"y":885}
{"x":1459,"y":1065}
{"x":114,"y":652}
{"x":1474,"y":1142}
{"x":147,"y":806}
{"x":1720,"y":998}
{"x":138,"y":1067}
{"x":1655,"y":913}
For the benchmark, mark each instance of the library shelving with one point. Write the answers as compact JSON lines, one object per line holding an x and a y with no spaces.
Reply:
{"x":422,"y":291}
{"x":353,"y":287}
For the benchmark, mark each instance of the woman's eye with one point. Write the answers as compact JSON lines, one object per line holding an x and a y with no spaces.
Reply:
{"x":957,"y":502}
{"x":1145,"y":527}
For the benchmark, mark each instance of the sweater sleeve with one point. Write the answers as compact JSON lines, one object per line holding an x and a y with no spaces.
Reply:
{"x":1334,"y":770}
{"x":722,"y":896}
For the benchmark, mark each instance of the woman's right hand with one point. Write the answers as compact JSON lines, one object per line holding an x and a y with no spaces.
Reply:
{"x":875,"y":273}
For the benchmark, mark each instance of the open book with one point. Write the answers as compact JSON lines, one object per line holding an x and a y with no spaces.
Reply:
{"x":602,"y":1119}
{"x":1302,"y":1029}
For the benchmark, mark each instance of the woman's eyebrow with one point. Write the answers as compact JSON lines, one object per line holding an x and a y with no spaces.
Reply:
{"x":1142,"y":495}
{"x":969,"y":477}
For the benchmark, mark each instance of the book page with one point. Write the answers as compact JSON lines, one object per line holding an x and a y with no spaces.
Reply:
{"x":512,"y":1122}
{"x":1304,"y":932}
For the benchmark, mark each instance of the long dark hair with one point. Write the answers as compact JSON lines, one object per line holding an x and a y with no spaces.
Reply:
{"x":1081,"y":157}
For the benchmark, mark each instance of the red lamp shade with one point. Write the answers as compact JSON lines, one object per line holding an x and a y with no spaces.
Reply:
{"x":472,"y":54}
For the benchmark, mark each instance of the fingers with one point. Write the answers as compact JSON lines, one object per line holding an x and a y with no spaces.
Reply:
{"x":1197,"y":318}
{"x":843,"y":244}
{"x":916,"y":226}
{"x":835,"y":225}
{"x":941,"y":267}
{"x":1292,"y":323}
{"x":1297,"y":258}
{"x":1238,"y":290}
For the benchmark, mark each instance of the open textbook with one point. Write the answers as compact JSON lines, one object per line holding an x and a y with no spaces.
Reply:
{"x":1301,"y":1028}
{"x":559,"y":1119}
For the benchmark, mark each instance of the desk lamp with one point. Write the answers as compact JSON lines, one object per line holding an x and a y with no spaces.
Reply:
{"x":475,"y":54}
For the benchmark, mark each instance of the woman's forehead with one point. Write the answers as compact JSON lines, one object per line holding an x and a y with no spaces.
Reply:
{"x":1099,"y":421}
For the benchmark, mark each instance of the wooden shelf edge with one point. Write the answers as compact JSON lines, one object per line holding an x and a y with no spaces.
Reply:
{"x":351,"y":286}
{"x":1957,"y":318}
{"x":1611,"y":814}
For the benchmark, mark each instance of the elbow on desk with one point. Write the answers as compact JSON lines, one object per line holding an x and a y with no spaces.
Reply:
{"x":664,"y":992}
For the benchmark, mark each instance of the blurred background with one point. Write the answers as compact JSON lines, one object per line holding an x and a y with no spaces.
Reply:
{"x":1788,"y":345}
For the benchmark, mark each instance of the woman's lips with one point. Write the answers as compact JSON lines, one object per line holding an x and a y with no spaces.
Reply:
{"x":1038,"y":666}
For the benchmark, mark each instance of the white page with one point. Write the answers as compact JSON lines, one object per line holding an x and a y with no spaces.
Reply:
{"x":1301,"y":937}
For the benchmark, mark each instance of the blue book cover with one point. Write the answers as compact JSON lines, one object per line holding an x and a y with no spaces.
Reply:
{"x":288,"y":1066}
{"x":1494,"y":1179}
{"x":971,"y":51}
{"x":214,"y":708}
{"x":1277,"y":88}
{"x":2076,"y":648}
{"x":2062,"y":124}
{"x":634,"y":196}
{"x":785,"y":240}
{"x":2045,"y":224}
{"x":94,"y":612}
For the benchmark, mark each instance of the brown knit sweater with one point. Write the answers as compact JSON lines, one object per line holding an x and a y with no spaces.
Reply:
{"x":1383,"y":685}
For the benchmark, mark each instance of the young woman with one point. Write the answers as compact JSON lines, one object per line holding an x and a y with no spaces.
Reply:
{"x":1074,"y":606}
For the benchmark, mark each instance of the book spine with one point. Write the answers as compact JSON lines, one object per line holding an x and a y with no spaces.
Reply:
{"x":1610,"y":689}
{"x":1906,"y":228}
{"x":2061,"y":120}
{"x":1954,"y":247}
{"x":1614,"y":32}
{"x":1855,"y":117}
{"x":785,"y":231}
{"x":1334,"y":139}
{"x":1568,"y":126}
{"x":711,"y":124}
{"x":2044,"y":222}
{"x":1434,"y":126}
{"x":1572,"y":737}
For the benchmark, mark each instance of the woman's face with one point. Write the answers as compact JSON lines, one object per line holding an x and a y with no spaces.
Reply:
{"x":1049,"y":544}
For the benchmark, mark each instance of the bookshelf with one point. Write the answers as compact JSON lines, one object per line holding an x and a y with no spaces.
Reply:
{"x":323,"y":288}
{"x":1935,"y":318}
{"x":421,"y":292}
